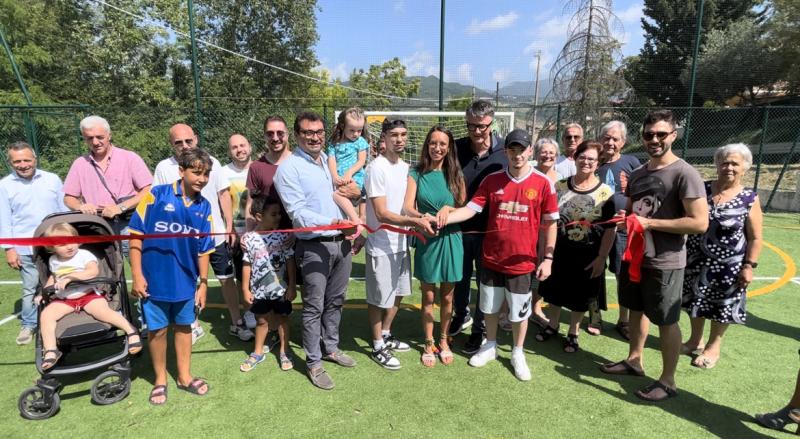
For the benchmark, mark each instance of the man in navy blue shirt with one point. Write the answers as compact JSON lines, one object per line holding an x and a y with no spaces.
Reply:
{"x":480,"y":153}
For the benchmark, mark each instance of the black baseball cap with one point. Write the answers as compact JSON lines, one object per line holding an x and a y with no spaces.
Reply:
{"x":518,"y":137}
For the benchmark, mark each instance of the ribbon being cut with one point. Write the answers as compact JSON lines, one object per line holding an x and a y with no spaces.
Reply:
{"x":634,"y":249}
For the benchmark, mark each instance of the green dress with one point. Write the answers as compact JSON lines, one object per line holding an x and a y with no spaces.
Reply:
{"x":441,"y":259}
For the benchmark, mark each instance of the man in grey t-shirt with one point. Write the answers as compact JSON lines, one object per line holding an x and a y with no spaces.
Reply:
{"x":668,"y":197}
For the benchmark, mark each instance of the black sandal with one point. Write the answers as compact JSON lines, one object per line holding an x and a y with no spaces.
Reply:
{"x":136,"y":347}
{"x":48,"y":363}
{"x":159,"y":390}
{"x":571,"y":343}
{"x":546,"y":333}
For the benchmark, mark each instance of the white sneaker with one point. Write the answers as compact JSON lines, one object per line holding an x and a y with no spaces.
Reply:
{"x":25,"y":336}
{"x":521,"y":370}
{"x":241,"y":332}
{"x":250,"y":320}
{"x":197,"y":333}
{"x":484,"y":355}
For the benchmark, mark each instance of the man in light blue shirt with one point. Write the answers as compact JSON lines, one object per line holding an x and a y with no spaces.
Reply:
{"x":27,"y":195}
{"x":306,"y":190}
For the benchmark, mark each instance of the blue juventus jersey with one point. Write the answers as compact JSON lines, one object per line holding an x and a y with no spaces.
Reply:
{"x":170,"y":265}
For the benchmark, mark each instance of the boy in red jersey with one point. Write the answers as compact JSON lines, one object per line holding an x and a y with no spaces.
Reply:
{"x":519,"y":199}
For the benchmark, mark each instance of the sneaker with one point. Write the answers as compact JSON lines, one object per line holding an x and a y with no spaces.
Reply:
{"x":459,"y":324}
{"x":197,"y":333}
{"x":250,"y":320}
{"x":320,"y":378}
{"x":272,"y":340}
{"x":475,"y":341}
{"x":395,"y":344}
{"x":385,"y":358}
{"x":521,"y":370}
{"x":341,"y":359}
{"x":485,"y":354}
{"x":241,"y":331}
{"x":25,"y":336}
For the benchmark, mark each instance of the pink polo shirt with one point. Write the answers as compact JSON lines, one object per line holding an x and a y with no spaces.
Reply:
{"x":125,"y":175}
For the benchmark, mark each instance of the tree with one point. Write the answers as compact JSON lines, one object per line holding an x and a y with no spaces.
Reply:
{"x":388,"y":78}
{"x":669,"y":28}
{"x":734,"y":61}
{"x":783,"y":29}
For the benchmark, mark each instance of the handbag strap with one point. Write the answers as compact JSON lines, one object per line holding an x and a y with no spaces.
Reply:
{"x":102,"y":180}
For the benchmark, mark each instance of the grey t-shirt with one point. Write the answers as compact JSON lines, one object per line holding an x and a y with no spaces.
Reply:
{"x":659,"y":194}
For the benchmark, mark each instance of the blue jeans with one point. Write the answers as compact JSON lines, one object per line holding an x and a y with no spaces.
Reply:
{"x":30,"y":279}
{"x":472,"y":252}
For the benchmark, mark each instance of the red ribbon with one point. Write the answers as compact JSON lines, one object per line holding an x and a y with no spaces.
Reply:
{"x":91,"y":239}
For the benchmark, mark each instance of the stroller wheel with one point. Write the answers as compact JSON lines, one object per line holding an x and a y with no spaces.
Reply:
{"x":33,"y":404}
{"x":110,"y":387}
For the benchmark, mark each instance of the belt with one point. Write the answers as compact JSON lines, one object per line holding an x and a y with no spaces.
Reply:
{"x":334,"y":238}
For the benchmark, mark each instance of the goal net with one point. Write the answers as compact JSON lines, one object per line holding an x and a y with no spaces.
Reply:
{"x":419,"y":122}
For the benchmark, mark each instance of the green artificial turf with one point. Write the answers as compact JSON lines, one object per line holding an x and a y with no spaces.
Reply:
{"x":568,"y":396}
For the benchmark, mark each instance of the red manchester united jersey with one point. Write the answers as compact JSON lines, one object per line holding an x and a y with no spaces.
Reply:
{"x":516,"y":207}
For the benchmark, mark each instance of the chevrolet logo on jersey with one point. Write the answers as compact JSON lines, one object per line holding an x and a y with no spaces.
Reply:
{"x":513,"y":207}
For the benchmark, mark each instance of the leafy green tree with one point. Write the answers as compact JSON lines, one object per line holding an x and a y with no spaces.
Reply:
{"x":388,"y":78}
{"x":783,"y":30}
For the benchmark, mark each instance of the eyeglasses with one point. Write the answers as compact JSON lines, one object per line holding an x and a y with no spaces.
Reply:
{"x":311,"y":134}
{"x":279,"y":134}
{"x":572,"y":137}
{"x":585,"y":159}
{"x":478,"y":126}
{"x":649,"y":135}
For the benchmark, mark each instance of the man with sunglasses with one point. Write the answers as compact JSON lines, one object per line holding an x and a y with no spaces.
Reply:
{"x":324,"y":257}
{"x":480,"y":153}
{"x":217,"y":192}
{"x":573,"y":136}
{"x":670,"y":195}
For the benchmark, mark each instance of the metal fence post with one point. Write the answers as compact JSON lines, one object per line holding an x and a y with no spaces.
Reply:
{"x":698,"y":31}
{"x":558,"y":123}
{"x":196,"y":75}
{"x":764,"y":126}
{"x":786,"y":160}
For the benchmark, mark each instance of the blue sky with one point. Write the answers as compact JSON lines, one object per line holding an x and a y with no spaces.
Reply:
{"x":485,"y":41}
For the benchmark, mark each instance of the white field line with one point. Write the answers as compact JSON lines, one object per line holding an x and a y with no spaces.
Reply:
{"x":8,"y":319}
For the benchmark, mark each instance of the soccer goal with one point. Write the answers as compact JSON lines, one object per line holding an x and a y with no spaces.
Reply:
{"x":419,"y":122}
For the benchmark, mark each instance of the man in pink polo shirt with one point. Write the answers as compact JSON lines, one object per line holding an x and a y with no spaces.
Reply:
{"x":108,"y":181}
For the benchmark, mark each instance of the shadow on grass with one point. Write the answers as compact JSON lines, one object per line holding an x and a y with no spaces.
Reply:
{"x":719,"y":420}
{"x":768,"y":326}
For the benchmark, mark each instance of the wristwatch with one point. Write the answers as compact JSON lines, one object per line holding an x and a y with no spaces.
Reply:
{"x":122,"y":207}
{"x":751,"y":263}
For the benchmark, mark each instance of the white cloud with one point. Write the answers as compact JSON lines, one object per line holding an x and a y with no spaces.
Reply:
{"x":339,"y":71}
{"x":421,"y":63}
{"x":399,"y":6}
{"x":556,"y":27}
{"x":501,"y":75}
{"x":632,"y":14}
{"x":496,"y":23}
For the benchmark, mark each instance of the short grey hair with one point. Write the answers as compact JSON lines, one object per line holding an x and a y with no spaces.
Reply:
{"x":480,"y":108}
{"x":573,"y":125}
{"x":618,"y":124}
{"x":93,"y":121}
{"x":19,"y":146}
{"x":537,"y":147}
{"x":734,"y":148}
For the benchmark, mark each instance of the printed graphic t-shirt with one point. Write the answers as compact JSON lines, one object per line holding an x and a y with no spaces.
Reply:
{"x":76,"y":263}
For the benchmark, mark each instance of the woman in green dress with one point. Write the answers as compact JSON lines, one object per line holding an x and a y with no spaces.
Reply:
{"x":436,"y":187}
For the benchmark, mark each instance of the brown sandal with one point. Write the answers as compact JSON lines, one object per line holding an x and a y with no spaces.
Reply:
{"x":445,"y":355}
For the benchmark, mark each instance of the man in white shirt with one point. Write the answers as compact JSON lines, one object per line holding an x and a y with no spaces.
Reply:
{"x":573,"y":136}
{"x":181,"y":138}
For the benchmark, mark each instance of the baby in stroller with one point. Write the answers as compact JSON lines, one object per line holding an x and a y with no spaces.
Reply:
{"x":68,"y":264}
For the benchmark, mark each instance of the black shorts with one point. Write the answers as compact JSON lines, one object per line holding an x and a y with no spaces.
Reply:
{"x":221,"y":262}
{"x":237,"y":256}
{"x":615,"y":255}
{"x":281,"y":307}
{"x":658,"y":295}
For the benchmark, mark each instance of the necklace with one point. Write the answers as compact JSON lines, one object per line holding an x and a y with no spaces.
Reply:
{"x":586,"y":185}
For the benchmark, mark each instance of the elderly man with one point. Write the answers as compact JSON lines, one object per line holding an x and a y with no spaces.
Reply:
{"x":573,"y":136}
{"x":480,"y":153}
{"x":615,"y":170}
{"x":27,"y":195}
{"x":306,"y":189}
{"x":182,"y":138}
{"x":109,"y":180}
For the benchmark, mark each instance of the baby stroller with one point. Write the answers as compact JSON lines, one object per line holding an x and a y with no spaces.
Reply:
{"x":91,"y":344}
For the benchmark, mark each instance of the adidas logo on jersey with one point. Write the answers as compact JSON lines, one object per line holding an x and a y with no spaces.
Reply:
{"x":500,"y":192}
{"x":169,"y":208}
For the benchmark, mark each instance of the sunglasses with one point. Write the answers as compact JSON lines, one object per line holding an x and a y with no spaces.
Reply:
{"x":279,"y":134}
{"x":649,"y":135}
{"x":572,"y":137}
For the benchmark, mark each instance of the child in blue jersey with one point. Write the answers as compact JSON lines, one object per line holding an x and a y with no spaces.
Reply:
{"x":347,"y":155}
{"x":268,"y":278}
{"x":166,"y":270}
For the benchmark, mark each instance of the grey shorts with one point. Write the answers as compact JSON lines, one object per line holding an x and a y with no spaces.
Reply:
{"x":515,"y":290}
{"x":658,"y":295}
{"x":387,"y":277}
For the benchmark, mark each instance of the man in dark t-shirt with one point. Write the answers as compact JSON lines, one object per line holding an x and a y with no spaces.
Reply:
{"x":480,"y":153}
{"x":667,"y":196}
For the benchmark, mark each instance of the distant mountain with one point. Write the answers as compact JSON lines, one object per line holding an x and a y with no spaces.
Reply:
{"x":429,"y":88}
{"x":525,"y":89}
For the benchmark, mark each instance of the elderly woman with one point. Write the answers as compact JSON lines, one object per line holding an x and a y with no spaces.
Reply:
{"x":545,"y":151}
{"x":582,"y":246}
{"x":720,"y":262}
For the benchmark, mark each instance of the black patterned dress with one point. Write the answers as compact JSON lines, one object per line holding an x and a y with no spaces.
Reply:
{"x":714,"y":259}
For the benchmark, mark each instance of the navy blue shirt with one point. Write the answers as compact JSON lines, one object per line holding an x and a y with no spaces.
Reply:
{"x":475,"y":169}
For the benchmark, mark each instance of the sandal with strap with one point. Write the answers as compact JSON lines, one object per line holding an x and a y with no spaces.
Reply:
{"x":546,"y":333}
{"x":251,"y":362}
{"x":429,"y":354}
{"x":136,"y":346}
{"x":571,"y":344}
{"x":48,"y":363}
{"x":668,"y":393}
{"x":159,"y":390}
{"x":286,"y":362}
{"x":194,"y":387}
{"x":445,"y":355}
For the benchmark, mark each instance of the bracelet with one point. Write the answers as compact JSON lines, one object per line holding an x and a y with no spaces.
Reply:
{"x":548,"y":257}
{"x":203,"y":280}
{"x":751,"y":264}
